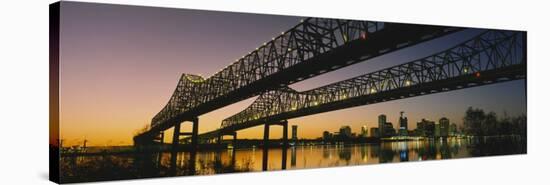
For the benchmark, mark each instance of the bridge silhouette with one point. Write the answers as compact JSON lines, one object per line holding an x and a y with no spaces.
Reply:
{"x":489,"y":57}
{"x":316,"y":46}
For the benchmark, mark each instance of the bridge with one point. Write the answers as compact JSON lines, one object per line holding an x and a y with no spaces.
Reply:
{"x":490,"y":57}
{"x":313,"y":47}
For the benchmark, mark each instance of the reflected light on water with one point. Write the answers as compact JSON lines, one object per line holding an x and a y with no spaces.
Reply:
{"x":110,"y":167}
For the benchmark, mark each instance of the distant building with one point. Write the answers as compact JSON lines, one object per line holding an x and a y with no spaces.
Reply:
{"x":364,"y":131}
{"x":295,"y":133}
{"x":345,"y":132}
{"x":444,"y":127}
{"x":403,"y":125}
{"x":420,"y":128}
{"x":437,"y":130}
{"x":374,"y":132}
{"x":327,"y":136}
{"x":389,"y":130}
{"x":425,"y":128}
{"x":453,"y":131}
{"x":382,"y":125}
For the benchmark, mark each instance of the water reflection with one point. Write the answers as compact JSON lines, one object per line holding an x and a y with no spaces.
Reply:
{"x":111,"y":167}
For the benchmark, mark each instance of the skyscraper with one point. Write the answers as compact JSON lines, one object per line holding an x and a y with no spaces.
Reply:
{"x":453,"y":130}
{"x":374,"y":132}
{"x":382,"y":125}
{"x":403,"y":125}
{"x":389,"y":130}
{"x":425,"y":128}
{"x":327,"y":136}
{"x":345,"y":132}
{"x":437,"y":132}
{"x":443,"y":127}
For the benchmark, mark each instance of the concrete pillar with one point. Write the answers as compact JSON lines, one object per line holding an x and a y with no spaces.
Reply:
{"x":285,"y":144}
{"x":194,"y":134}
{"x":220,"y":139}
{"x":266,"y":135}
{"x":285,"y":133}
{"x":234,"y":139}
{"x":162,"y":137}
{"x":266,"y":145}
{"x":175,"y":139}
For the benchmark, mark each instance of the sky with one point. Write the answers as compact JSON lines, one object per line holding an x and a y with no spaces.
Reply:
{"x":120,"y":64}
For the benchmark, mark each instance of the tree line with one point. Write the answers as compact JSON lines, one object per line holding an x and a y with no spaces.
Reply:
{"x":479,"y":123}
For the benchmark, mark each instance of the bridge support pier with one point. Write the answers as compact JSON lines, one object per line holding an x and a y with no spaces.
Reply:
{"x":285,"y":134}
{"x":219,"y":138}
{"x":266,"y":132}
{"x":266,"y":135}
{"x":194,"y":134}
{"x":176,"y":136}
{"x":193,"y":149}
{"x":266,"y":143}
{"x":234,"y":140}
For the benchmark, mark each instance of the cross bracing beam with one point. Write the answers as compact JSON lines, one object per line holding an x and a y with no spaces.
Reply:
{"x":490,"y":57}
{"x":313,"y":47}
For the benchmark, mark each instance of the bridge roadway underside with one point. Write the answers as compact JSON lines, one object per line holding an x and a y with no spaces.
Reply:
{"x":466,"y":81}
{"x":394,"y":37}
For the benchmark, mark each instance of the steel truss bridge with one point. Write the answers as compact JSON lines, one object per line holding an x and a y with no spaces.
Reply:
{"x":490,"y":57}
{"x":313,"y":47}
{"x":316,"y":46}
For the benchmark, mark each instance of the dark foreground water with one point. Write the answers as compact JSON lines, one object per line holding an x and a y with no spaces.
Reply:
{"x":128,"y":166}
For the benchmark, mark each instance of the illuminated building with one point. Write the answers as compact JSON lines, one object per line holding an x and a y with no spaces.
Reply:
{"x":364,"y":131}
{"x":382,"y":125}
{"x":403,"y":125}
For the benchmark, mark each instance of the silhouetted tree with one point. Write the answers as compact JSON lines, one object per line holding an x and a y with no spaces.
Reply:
{"x":519,"y":125}
{"x":473,"y":121}
{"x":479,"y":123}
{"x":490,"y":124}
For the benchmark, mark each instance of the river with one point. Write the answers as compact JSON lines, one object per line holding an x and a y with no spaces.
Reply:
{"x":113,"y":167}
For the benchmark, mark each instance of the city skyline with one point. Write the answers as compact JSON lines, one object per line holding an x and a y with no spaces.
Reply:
{"x":395,"y":125}
{"x":399,"y":129}
{"x":106,"y":109}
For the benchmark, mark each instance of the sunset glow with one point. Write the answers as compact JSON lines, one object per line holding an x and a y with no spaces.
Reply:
{"x":120,"y":64}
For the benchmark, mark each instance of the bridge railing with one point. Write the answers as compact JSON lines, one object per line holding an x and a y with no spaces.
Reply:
{"x":490,"y":50}
{"x":311,"y":37}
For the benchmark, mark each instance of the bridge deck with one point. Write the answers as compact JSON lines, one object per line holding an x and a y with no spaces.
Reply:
{"x":312,"y":48}
{"x":491,"y":57}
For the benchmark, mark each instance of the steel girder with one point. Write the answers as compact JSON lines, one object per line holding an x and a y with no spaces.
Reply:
{"x":313,"y":47}
{"x":490,"y":57}
{"x":311,"y":37}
